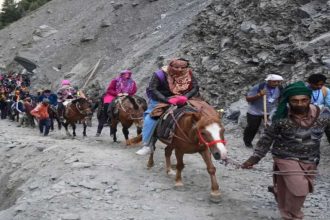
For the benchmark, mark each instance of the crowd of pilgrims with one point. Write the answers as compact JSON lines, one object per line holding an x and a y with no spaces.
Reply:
{"x":17,"y":103}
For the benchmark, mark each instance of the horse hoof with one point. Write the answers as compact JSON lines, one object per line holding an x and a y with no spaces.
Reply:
{"x":179,"y":184}
{"x":128,"y":143}
{"x":215,"y":197}
{"x":150,"y":165}
{"x":171,"y":172}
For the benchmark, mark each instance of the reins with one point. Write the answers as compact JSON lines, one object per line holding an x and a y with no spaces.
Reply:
{"x":186,"y":138}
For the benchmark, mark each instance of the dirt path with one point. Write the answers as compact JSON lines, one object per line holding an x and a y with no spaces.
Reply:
{"x":57,"y":177}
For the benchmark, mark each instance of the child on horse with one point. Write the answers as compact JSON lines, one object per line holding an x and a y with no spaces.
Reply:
{"x":173,"y":84}
{"x":123,"y":85}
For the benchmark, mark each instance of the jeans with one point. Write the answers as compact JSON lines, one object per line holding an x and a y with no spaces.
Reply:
{"x":44,"y":125}
{"x":149,"y":124}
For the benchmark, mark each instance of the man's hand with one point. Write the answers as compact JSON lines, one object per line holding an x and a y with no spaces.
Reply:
{"x":248,"y":164}
{"x":262,"y":92}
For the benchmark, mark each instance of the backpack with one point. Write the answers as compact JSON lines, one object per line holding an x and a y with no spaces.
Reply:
{"x":161,"y":76}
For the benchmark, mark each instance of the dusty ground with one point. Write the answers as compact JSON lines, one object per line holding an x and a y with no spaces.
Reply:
{"x":57,"y":177}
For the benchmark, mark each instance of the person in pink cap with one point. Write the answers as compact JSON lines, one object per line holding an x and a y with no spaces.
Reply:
{"x":64,"y":93}
{"x":123,"y":85}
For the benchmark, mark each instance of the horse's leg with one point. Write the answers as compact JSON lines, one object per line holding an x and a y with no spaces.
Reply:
{"x":51,"y":123}
{"x":65,"y":125}
{"x":215,"y":192}
{"x":113,"y":129}
{"x":74,"y":129}
{"x":179,"y":167}
{"x":138,"y":130}
{"x":85,"y":126}
{"x":151,"y":162}
{"x":126,"y":133}
{"x":59,"y":124}
{"x":168,"y":153}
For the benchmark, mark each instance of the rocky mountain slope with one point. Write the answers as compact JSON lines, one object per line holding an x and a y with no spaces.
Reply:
{"x":237,"y":43}
{"x":73,"y":35}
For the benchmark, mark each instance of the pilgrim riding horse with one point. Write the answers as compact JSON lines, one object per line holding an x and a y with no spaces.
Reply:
{"x":197,"y":129}
{"x":130,"y":111}
{"x":77,"y":109}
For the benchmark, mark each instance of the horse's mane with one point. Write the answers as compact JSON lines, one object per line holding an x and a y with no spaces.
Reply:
{"x":78,"y":100}
{"x":132,"y":100}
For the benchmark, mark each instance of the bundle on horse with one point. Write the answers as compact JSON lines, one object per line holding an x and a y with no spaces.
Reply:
{"x":76,"y":110}
{"x":192,"y":130}
{"x":130,"y":111}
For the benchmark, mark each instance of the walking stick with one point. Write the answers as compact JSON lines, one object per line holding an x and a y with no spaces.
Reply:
{"x":265,"y":110}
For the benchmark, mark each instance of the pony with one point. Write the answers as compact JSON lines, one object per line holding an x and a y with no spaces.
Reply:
{"x":77,"y":109}
{"x":130,"y":111}
{"x":196,"y":132}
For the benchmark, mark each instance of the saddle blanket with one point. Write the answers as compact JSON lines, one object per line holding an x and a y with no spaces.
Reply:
{"x":166,"y":125}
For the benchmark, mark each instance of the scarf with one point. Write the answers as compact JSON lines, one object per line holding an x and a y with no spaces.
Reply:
{"x":124,"y":85}
{"x":178,"y":84}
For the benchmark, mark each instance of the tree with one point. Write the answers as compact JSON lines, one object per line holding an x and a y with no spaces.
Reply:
{"x":12,"y":11}
{"x":9,"y":12}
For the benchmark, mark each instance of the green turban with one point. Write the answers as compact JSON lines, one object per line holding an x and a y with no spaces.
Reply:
{"x":297,"y":88}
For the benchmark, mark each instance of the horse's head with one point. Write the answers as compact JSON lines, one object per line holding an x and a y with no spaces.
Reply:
{"x":210,"y":134}
{"x":83,"y":106}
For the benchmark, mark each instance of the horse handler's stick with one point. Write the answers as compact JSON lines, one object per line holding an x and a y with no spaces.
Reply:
{"x":265,"y":110}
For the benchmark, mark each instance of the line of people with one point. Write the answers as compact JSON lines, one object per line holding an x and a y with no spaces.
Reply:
{"x":298,"y":115}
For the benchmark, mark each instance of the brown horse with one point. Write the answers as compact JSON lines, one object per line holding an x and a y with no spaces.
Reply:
{"x":196,"y":132}
{"x":78,"y":109}
{"x":130,"y":111}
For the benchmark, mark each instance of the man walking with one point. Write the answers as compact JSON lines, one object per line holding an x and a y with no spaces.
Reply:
{"x":295,"y":136}
{"x":260,"y":97}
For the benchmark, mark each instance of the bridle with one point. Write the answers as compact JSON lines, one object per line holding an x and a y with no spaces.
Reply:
{"x":202,"y":141}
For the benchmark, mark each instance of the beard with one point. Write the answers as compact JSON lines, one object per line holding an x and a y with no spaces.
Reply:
{"x":299,"y":109}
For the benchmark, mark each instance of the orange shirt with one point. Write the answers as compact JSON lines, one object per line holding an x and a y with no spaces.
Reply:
{"x":40,"y":112}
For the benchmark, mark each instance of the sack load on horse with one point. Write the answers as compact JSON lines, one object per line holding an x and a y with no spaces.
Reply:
{"x":183,"y":121}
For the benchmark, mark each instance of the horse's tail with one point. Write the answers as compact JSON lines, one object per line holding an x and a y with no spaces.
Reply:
{"x":132,"y":100}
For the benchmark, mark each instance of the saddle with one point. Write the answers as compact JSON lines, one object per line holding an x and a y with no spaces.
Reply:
{"x":167,"y":123}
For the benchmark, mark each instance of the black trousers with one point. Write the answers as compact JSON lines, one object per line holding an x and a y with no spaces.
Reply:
{"x":253,"y":123}
{"x":102,"y":117}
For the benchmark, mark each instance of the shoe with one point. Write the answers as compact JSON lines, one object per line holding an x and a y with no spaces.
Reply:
{"x":143,"y":151}
{"x":97,"y":135}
